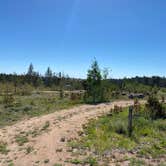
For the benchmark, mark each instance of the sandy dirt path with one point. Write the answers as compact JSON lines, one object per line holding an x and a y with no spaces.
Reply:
{"x":48,"y":135}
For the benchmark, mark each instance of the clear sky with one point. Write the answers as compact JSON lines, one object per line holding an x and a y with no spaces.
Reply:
{"x":128,"y":36}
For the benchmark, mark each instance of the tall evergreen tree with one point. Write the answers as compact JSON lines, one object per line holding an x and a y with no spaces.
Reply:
{"x":30,"y":74}
{"x":93,"y":85}
{"x":30,"y":70}
{"x":48,"y":72}
{"x":48,"y":77}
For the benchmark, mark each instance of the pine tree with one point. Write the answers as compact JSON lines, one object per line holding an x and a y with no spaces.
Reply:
{"x":93,"y":85}
{"x":48,"y":77}
{"x":48,"y":73}
{"x":30,"y":70}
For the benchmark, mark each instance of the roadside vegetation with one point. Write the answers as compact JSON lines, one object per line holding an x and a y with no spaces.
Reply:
{"x":108,"y":137}
{"x":14,"y":107}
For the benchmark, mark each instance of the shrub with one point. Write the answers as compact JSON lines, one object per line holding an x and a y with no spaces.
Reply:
{"x":154,"y":108}
{"x":25,"y":90}
{"x":75,"y":96}
{"x":8,"y":99}
{"x":120,"y":129}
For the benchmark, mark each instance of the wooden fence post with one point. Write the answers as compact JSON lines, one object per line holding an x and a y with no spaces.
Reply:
{"x":130,"y":120}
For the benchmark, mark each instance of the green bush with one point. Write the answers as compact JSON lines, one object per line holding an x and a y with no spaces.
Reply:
{"x":154,"y":108}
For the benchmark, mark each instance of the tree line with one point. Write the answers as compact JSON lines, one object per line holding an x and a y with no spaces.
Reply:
{"x":150,"y":81}
{"x":34,"y":79}
{"x":95,"y":77}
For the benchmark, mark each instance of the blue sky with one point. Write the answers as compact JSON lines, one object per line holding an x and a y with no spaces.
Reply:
{"x":127,"y":36}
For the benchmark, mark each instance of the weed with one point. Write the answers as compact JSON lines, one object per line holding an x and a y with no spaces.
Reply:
{"x":91,"y":161}
{"x":3,"y":148}
{"x":120,"y":127}
{"x":21,"y":140}
{"x":75,"y":161}
{"x":35,"y":132}
{"x":57,"y":164}
{"x":46,"y":126}
{"x":29,"y":149}
{"x":11,"y":164}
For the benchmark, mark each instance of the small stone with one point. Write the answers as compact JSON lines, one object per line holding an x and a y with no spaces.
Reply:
{"x":107,"y":154}
{"x":59,"y":150}
{"x":63,"y":139}
{"x":46,"y":161}
{"x":75,"y":150}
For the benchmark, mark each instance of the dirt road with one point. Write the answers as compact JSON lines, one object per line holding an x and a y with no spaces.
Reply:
{"x":43,"y":140}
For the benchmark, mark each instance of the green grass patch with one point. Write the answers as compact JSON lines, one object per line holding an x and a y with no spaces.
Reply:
{"x":11,"y":164}
{"x":136,"y":162}
{"x":21,"y":139}
{"x":87,"y":161}
{"x":57,"y":164}
{"x":109,"y":133}
{"x":3,"y":148}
